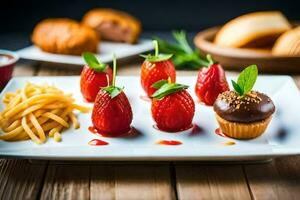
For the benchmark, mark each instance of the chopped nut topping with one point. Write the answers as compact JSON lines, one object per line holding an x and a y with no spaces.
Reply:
{"x":235,"y":101}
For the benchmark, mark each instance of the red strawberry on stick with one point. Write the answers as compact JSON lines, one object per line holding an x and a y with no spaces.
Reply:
{"x":172,"y":106}
{"x":211,"y":82}
{"x":155,"y":68}
{"x":94,"y":76}
{"x":112,"y":114}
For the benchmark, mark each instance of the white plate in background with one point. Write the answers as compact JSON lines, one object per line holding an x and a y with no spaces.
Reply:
{"x":281,"y":138}
{"x":106,"y":49}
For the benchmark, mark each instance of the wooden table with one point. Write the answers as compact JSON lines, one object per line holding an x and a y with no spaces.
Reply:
{"x":21,"y":179}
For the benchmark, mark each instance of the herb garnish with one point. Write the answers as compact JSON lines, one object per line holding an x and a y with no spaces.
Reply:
{"x":165,"y":88}
{"x":246,"y":80}
{"x":113,"y":90}
{"x":92,"y":61}
{"x":157,"y":57}
{"x":184,"y":55}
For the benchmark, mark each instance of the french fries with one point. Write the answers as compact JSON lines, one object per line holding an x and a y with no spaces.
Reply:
{"x":37,"y":111}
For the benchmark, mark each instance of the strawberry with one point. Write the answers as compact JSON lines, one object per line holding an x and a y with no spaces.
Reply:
{"x":94,"y":76}
{"x":155,"y":68}
{"x":112,"y":114}
{"x":210,"y":83}
{"x":172,"y":107}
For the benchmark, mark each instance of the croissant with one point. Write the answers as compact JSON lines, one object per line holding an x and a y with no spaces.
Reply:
{"x":253,"y":30}
{"x":288,"y":44}
{"x":64,"y":36}
{"x":113,"y":25}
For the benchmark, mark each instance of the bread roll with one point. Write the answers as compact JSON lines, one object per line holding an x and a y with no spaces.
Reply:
{"x":253,"y":30}
{"x":113,"y":25}
{"x":64,"y":36}
{"x":288,"y":44}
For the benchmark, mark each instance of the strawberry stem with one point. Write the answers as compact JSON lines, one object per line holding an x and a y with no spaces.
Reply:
{"x":155,"y":47}
{"x":114,"y":70}
{"x":113,"y":90}
{"x":209,"y":59}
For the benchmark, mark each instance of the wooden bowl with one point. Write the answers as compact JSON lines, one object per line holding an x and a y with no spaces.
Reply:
{"x":239,"y":58}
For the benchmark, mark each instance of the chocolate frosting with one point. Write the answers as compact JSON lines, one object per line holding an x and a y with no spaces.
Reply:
{"x":253,"y":107}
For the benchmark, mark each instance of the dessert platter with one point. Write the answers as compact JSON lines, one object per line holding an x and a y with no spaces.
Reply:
{"x":266,"y":38}
{"x":102,"y":30}
{"x":156,"y":116}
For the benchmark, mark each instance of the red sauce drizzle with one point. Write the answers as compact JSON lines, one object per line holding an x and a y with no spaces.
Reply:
{"x":219,"y":132}
{"x":184,"y":129}
{"x":169,"y":142}
{"x":97,"y":142}
{"x":196,"y":130}
{"x":92,"y":129}
{"x":145,"y":98}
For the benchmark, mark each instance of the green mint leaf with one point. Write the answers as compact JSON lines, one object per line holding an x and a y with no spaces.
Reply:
{"x":180,"y":37}
{"x":90,"y":57}
{"x":168,"y":88}
{"x":184,"y":56}
{"x":159,"y":58}
{"x":91,"y":60}
{"x":167,"y":47}
{"x":113,"y":91}
{"x":158,"y":84}
{"x":247,"y":78}
{"x":237,"y":88}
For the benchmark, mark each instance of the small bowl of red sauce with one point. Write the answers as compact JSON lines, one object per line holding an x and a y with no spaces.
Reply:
{"x":8,"y":60}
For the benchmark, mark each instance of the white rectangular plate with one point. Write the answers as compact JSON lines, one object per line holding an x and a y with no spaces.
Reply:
{"x":281,"y":138}
{"x":106,"y":49}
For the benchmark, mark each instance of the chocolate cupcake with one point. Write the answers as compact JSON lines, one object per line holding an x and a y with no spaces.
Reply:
{"x":243,"y":113}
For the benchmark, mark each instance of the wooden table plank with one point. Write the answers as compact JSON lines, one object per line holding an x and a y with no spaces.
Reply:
{"x":139,"y":182}
{"x":211,"y":182}
{"x":20,"y":180}
{"x":279,"y":179}
{"x":66,"y":182}
{"x":25,"y":69}
{"x":50,"y":69}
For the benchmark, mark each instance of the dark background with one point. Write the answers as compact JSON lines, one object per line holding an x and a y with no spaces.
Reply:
{"x":158,"y":17}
